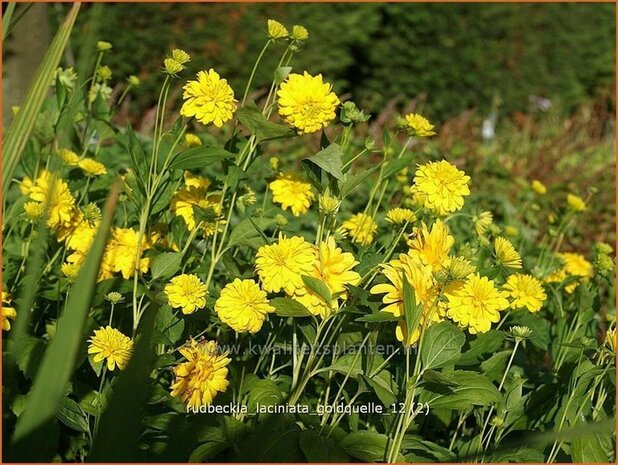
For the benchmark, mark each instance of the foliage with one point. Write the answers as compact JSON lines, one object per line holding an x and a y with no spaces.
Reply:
{"x":290,"y":297}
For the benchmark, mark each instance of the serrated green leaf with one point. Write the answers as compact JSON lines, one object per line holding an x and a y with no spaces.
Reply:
{"x":165,"y":265}
{"x":441,"y":345}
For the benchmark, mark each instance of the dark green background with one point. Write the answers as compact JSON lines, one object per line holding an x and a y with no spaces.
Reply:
{"x":455,"y":56}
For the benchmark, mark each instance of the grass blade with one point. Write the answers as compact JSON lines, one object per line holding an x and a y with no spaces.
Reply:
{"x":57,"y":366}
{"x":21,"y":126}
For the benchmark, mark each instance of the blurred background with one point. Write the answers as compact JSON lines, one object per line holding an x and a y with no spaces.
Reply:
{"x":521,"y":91}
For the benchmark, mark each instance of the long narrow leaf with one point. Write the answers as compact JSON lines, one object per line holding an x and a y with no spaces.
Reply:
{"x":21,"y":126}
{"x":58,"y":364}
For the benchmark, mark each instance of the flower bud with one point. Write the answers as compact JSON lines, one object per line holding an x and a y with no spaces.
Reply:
{"x":276,"y":30}
{"x":103,"y":46}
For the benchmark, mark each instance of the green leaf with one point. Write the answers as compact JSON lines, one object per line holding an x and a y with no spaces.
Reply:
{"x":263,"y":392}
{"x":412,"y":310}
{"x":138,"y":159}
{"x":378,"y":317}
{"x":472,"y":389}
{"x":252,"y":118}
{"x":58,"y":363}
{"x":319,"y":287}
{"x":494,"y":366}
{"x":199,"y":157}
{"x":432,"y":376}
{"x":329,"y":160}
{"x":593,"y":448}
{"x":72,"y":415}
{"x":367,"y":446}
{"x":351,"y":182}
{"x":482,"y":344}
{"x":19,"y":131}
{"x":165,"y":265}
{"x":169,"y":325}
{"x":384,"y":387}
{"x":395,"y":166}
{"x":207,"y":451}
{"x":289,"y":307}
{"x":319,"y":448}
{"x":441,"y":345}
{"x":245,"y":231}
{"x":119,"y":426}
{"x":539,"y":326}
{"x":349,"y":364}
{"x":282,"y":73}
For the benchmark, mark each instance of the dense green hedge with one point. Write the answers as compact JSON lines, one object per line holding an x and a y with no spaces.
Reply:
{"x":459,"y":55}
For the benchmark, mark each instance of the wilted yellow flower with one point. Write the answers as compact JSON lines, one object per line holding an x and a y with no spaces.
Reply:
{"x":8,"y":312}
{"x":399,"y":216}
{"x":482,"y":222}
{"x":210,"y":99}
{"x":276,"y":30}
{"x":307,"y":102}
{"x":328,"y":204}
{"x":111,"y":345}
{"x":506,"y":253}
{"x":52,"y":191}
{"x":248,"y":198}
{"x":576,"y":203}
{"x":526,"y":292}
{"x":361,"y":228}
{"x":418,"y":126}
{"x":172,"y":67}
{"x":92,"y":167}
{"x":440,"y":187}
{"x":191,"y":140}
{"x":186,"y":292}
{"x":181,"y":56}
{"x":419,"y":276}
{"x":432,"y":246}
{"x":538,"y":187}
{"x":476,"y":304}
{"x":68,"y":157}
{"x":335,"y":269}
{"x":281,"y":265}
{"x":103,"y":46}
{"x":299,"y":33}
{"x":292,"y":192}
{"x":202,"y":376}
{"x":243,"y":306}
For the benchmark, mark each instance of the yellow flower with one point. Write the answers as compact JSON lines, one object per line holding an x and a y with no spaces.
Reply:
{"x":526,"y":292}
{"x":299,"y":33}
{"x":292,"y":192}
{"x":400,"y":216}
{"x":181,"y":56}
{"x":25,"y":186}
{"x":476,"y":304}
{"x":506,"y":253}
{"x":418,"y":126}
{"x":104,"y":73}
{"x":191,"y":140}
{"x":202,"y":376}
{"x":52,"y":191}
{"x":34,"y":210}
{"x":281,"y":265}
{"x":276,"y":30}
{"x":186,"y":292}
{"x":420,"y":278}
{"x":133,"y":80}
{"x":92,"y":167}
{"x":482,"y":222}
{"x":307,"y":103}
{"x":441,"y":187}
{"x":70,"y":270}
{"x":80,"y":235}
{"x":574,"y":265}
{"x":576,"y":203}
{"x":68,"y":157}
{"x":243,"y":306}
{"x":196,"y":181}
{"x":111,"y":345}
{"x":210,"y":99}
{"x":335,"y":269}
{"x":328,"y":204}
{"x":538,"y":187}
{"x":185,"y":199}
{"x":121,"y":254}
{"x":172,"y":67}
{"x":361,"y":228}
{"x":432,"y":246}
{"x":8,"y":312}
